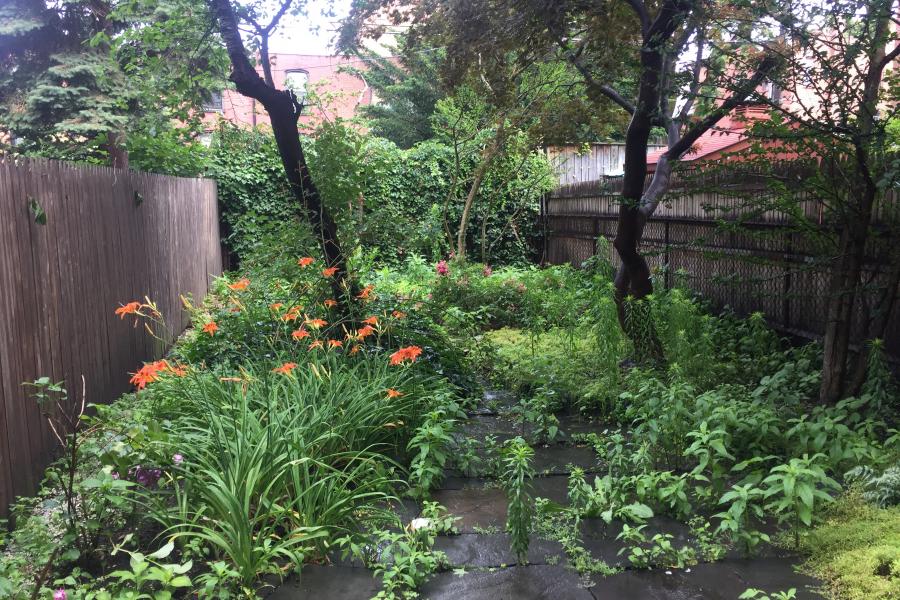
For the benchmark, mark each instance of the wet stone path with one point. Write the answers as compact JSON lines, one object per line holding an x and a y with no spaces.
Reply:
{"x":481,"y":565}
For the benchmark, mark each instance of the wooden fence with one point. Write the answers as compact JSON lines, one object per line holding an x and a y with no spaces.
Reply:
{"x":761,"y":265}
{"x":110,"y":236}
{"x":574,"y":163}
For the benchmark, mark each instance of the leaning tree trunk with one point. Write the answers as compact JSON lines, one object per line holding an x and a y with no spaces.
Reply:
{"x":284,"y":112}
{"x":487,"y":158}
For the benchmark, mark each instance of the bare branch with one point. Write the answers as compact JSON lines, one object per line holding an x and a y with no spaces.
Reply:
{"x":696,"y":73}
{"x":738,"y":97}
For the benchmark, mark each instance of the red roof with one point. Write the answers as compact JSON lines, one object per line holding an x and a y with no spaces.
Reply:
{"x":711,"y":142}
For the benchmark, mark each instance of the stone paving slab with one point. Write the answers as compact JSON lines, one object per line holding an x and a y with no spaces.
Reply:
{"x":570,"y":424}
{"x":556,"y":459}
{"x":493,"y":550}
{"x":329,"y":583}
{"x":477,"y":507}
{"x":502,"y":428}
{"x":595,"y":528}
{"x":536,"y":582}
{"x":552,"y":487}
{"x":725,"y":580}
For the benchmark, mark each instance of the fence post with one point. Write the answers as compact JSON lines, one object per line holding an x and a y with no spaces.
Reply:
{"x":667,"y":276}
{"x":786,"y":298}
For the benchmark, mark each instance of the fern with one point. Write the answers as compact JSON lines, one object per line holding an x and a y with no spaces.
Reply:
{"x":882,"y":490}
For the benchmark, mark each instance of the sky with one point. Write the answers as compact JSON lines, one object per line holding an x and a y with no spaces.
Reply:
{"x":313,"y":34}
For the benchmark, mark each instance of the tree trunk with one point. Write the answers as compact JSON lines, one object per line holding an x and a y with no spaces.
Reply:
{"x":467,"y":208}
{"x":487,"y":157}
{"x":877,"y":324}
{"x":117,"y":154}
{"x":855,"y":230}
{"x":839,"y":318}
{"x":284,"y":111}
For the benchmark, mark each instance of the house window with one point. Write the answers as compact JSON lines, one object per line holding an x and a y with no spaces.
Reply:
{"x":296,"y":82}
{"x":214,"y":104}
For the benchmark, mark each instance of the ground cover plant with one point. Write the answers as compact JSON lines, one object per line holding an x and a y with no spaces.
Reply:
{"x":725,"y":435}
{"x":280,"y":432}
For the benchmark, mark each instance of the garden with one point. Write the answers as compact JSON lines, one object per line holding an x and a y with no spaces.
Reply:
{"x":459,"y":405}
{"x":390,"y":393}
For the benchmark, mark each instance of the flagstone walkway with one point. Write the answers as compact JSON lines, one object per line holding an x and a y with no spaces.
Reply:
{"x":482,"y":567}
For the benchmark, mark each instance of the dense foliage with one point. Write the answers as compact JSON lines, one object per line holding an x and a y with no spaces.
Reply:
{"x":389,"y":203}
{"x":79,"y":77}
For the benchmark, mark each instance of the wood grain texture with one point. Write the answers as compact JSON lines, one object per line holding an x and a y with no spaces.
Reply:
{"x":61,"y":282}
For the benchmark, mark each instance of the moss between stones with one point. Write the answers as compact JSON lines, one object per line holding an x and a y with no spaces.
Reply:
{"x":857,"y":550}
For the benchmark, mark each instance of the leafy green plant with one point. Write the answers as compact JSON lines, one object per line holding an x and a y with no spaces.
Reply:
{"x":710,"y":548}
{"x":755,"y":594}
{"x":744,"y":506}
{"x":517,"y":473}
{"x":792,"y":490}
{"x":150,"y":572}
{"x":406,"y":561}
{"x":657,"y":551}
{"x":709,"y":449}
{"x":430,"y":447}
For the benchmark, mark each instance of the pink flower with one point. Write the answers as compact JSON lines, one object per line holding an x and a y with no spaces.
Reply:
{"x":487,"y":270}
{"x":442,"y":268}
{"x":60,"y":594}
{"x":177,"y":459}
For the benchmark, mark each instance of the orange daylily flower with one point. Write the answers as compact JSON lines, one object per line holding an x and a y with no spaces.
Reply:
{"x":366,"y":292}
{"x":211,"y":328}
{"x":306,"y":261}
{"x":239,"y":285}
{"x":128,"y":309}
{"x":316,"y":323}
{"x":151,"y":372}
{"x":299,"y":334}
{"x":285,"y":369}
{"x":292,"y":314}
{"x":315,"y":344}
{"x":371,"y":321}
{"x":275,"y":306}
{"x":330,"y":302}
{"x":392,"y":393}
{"x":398,"y":314}
{"x":335,"y":343}
{"x":365,"y":331}
{"x":410,"y":353}
{"x":354,"y":350}
{"x":329,"y":272}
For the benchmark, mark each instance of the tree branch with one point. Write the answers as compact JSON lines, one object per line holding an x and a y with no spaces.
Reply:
{"x":641,"y":11}
{"x":738,"y":97}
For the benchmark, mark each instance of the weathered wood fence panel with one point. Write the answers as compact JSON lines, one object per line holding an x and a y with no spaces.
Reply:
{"x":760,"y":266}
{"x":574,"y":163}
{"x":111,"y":236}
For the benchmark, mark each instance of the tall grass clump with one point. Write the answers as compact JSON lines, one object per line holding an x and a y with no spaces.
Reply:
{"x":276,"y":465}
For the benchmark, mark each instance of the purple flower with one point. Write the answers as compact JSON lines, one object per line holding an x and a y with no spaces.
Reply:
{"x":177,"y":459}
{"x":487,"y":271}
{"x":146,"y":477}
{"x":60,"y":594}
{"x":114,"y":474}
{"x":442,"y":268}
